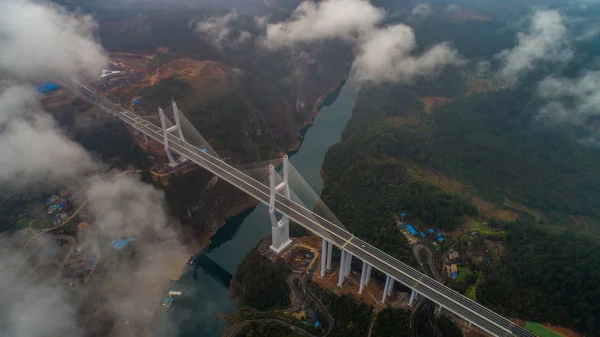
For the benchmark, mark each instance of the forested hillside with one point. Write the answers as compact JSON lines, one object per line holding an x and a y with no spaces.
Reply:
{"x":260,"y":283}
{"x":266,"y":96}
{"x":547,"y":274}
{"x":493,"y":142}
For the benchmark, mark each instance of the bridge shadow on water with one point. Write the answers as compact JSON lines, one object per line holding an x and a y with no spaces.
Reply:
{"x":227,"y":232}
{"x":210,"y":267}
{"x":223,"y":235}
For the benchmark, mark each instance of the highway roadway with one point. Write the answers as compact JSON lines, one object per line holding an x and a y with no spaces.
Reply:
{"x":462,"y":306}
{"x":426,"y":304}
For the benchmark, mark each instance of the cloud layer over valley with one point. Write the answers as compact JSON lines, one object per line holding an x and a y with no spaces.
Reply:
{"x":41,"y":42}
{"x":546,"y":40}
{"x":384,"y":54}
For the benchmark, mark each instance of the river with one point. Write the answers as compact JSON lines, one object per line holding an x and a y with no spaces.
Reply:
{"x":199,"y":311}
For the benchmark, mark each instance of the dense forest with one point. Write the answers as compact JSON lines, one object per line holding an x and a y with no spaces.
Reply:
{"x":257,"y":115}
{"x":268,"y":330}
{"x":351,"y":317}
{"x":370,"y":194}
{"x":548,"y":274}
{"x":493,"y":142}
{"x":262,"y":284}
{"x":367,"y":188}
{"x":396,"y":323}
{"x":392,"y":323}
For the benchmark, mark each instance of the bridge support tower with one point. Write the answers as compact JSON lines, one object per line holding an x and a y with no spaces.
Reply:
{"x":168,"y":130}
{"x":280,"y":229}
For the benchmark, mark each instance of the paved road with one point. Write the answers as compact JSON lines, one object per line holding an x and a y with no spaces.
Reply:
{"x":426,"y":304}
{"x":462,"y":306}
{"x":315,"y":300}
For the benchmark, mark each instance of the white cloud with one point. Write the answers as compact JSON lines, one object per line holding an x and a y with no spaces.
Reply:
{"x":41,"y":42}
{"x":218,"y":30}
{"x":33,"y":151}
{"x":34,"y":36}
{"x":386,"y":55}
{"x":383,"y":54}
{"x":421,"y":10}
{"x":545,"y":40}
{"x":573,"y":101}
{"x":261,"y":21}
{"x":312,"y":21}
{"x":482,"y":68}
{"x":38,"y":305}
{"x":124,"y":207}
{"x":584,"y":4}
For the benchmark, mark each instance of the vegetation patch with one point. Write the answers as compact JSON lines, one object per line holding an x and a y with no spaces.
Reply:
{"x":430,"y":102}
{"x":541,"y":330}
{"x":546,"y":275}
{"x":261,"y":284}
{"x":537,"y":215}
{"x":464,"y":273}
{"x":471,"y":292}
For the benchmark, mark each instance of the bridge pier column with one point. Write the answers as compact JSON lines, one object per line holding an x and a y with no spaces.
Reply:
{"x":348,"y":264}
{"x":280,"y":230}
{"x":368,"y":276}
{"x":413,"y":295}
{"x":438,"y":310}
{"x":363,"y":277}
{"x":342,"y":268}
{"x":390,"y":288}
{"x":385,"y":288}
{"x":324,"y":257}
{"x":329,"y":255}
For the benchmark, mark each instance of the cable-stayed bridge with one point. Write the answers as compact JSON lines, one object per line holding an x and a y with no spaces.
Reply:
{"x":278,"y":195}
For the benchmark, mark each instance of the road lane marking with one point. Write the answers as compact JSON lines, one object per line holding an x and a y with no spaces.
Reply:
{"x":347,"y":242}
{"x":237,"y":175}
{"x":233,"y":176}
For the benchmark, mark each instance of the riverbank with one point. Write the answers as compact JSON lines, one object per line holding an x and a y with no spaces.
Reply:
{"x":249,"y":202}
{"x":206,"y":300}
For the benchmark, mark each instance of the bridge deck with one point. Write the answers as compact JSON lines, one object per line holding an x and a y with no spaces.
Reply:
{"x":468,"y":309}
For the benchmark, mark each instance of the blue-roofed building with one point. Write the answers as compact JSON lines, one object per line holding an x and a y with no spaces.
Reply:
{"x":412,"y":230}
{"x":137,"y":102}
{"x":48,"y":87}
{"x":454,"y":275}
{"x":431,"y":230}
{"x":440,"y":239}
{"x":422,"y":234}
{"x":120,"y":244}
{"x":204,"y":150}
